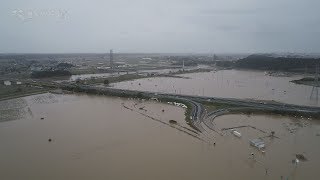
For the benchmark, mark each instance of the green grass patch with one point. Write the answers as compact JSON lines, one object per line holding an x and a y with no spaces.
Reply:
{"x":15,"y":91}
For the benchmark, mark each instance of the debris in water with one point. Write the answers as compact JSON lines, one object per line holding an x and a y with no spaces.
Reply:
{"x":49,"y":139}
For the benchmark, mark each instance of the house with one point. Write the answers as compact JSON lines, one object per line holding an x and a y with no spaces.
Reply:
{"x":7,"y":83}
{"x":258,"y":143}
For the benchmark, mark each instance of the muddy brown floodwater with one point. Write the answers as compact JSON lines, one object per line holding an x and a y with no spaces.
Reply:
{"x":229,"y":84}
{"x":97,"y":137}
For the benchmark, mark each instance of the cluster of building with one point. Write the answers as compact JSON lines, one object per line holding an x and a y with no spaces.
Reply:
{"x":9,"y":83}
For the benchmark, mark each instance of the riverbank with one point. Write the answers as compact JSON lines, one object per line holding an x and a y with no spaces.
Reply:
{"x":17,"y":91}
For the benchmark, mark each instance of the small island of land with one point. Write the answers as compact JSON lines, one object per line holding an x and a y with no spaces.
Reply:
{"x":309,"y":81}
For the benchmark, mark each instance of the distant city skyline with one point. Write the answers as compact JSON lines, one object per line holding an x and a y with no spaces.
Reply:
{"x":154,"y":26}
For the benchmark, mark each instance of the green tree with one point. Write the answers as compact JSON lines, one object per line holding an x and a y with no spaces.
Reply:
{"x":78,"y":81}
{"x":106,"y":82}
{"x":19,"y":89}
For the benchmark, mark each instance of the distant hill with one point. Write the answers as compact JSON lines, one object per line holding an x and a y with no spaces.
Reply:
{"x":265,"y":62}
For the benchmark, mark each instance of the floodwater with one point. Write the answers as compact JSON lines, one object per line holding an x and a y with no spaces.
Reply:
{"x":97,"y":137}
{"x":292,"y":136}
{"x":229,"y":84}
{"x":105,"y":75}
{"x":171,"y":70}
{"x":88,"y":76}
{"x":158,"y":71}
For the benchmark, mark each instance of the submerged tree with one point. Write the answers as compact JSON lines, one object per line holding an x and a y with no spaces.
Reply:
{"x":272,"y":133}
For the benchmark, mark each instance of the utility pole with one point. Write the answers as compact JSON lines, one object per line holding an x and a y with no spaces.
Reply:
{"x":317,"y":73}
{"x":183,"y":65}
{"x":111,"y":59}
{"x":316,"y":80}
{"x":305,"y":71}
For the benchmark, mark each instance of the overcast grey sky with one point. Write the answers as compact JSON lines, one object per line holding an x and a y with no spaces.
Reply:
{"x":182,"y":26}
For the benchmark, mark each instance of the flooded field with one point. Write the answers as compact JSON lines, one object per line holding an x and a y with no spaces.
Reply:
{"x":156,"y":71}
{"x":97,"y":137}
{"x":292,"y":136}
{"x":229,"y":83}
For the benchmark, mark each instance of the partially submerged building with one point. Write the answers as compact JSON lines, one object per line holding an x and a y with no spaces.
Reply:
{"x":7,"y":83}
{"x":258,"y":143}
{"x":236,"y":133}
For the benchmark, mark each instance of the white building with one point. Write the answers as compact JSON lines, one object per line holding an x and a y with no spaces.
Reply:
{"x":7,"y":83}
